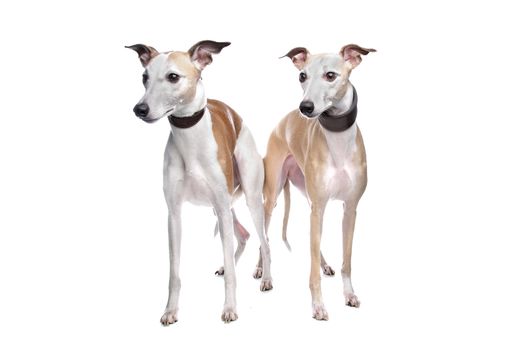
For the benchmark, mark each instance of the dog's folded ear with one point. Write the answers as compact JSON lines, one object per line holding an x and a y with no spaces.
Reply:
{"x":201,"y":52}
{"x":146,"y":53}
{"x":298,"y":55}
{"x":352,"y":54}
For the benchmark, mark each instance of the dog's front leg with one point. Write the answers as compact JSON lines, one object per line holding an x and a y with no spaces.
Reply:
{"x":316,"y":224}
{"x":348,"y":237}
{"x":173,"y":189}
{"x":174,"y":228}
{"x":225,"y":219}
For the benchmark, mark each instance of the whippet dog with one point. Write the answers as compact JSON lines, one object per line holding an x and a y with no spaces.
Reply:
{"x":319,"y":148}
{"x":210,"y":156}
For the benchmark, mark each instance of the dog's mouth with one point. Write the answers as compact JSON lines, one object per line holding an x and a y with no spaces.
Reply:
{"x":312,"y":115}
{"x":153,"y":120}
{"x":327,"y":109}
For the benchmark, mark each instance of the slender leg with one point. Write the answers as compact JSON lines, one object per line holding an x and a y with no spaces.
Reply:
{"x":272,"y":169}
{"x":251,"y":171}
{"x":316,"y":224}
{"x":241,"y":234}
{"x":174,"y":229}
{"x":258,"y":267}
{"x":257,"y":212}
{"x":269,"y":204}
{"x":348,"y":236}
{"x":226,"y":230}
{"x":327,"y":270}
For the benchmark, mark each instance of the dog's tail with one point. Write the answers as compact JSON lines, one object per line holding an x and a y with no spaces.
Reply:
{"x":286,"y":189}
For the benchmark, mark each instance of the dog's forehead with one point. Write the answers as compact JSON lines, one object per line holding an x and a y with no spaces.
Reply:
{"x":325,"y":61}
{"x":183,"y":62}
{"x":177,"y":61}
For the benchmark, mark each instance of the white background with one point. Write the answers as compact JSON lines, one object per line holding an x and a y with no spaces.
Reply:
{"x":438,"y":250}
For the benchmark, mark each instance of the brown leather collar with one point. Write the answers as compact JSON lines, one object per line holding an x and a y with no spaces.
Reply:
{"x":340,"y":122}
{"x":186,"y":122}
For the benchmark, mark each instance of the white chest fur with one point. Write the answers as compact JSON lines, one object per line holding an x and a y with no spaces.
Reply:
{"x":342,"y":171}
{"x":198,"y":166}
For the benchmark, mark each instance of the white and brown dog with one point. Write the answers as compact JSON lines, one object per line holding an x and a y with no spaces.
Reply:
{"x":209,"y":157}
{"x":319,"y":149}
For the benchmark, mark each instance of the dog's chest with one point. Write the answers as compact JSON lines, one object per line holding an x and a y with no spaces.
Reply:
{"x":197,"y":188}
{"x":201,"y":171}
{"x":341,"y":176}
{"x":339,"y":182}
{"x":202,"y":180}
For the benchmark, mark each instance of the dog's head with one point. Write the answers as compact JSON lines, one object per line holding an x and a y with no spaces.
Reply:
{"x":324,"y":77}
{"x":172,"y":79}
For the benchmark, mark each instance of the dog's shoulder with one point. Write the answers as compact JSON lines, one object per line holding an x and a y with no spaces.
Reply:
{"x":225,"y":116}
{"x":226,"y":126}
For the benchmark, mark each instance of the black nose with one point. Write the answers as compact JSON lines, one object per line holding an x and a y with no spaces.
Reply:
{"x":306,"y":108}
{"x":141,"y":110}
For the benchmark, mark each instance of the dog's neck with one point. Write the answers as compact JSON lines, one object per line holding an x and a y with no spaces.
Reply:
{"x":189,"y":114}
{"x":186,"y":121}
{"x":341,"y":105}
{"x":341,"y":140}
{"x":342,"y":115}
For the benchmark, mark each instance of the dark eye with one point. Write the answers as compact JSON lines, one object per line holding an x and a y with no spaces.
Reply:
{"x":302,"y":77}
{"x":173,"y":78}
{"x":145,"y":78}
{"x":330,"y":76}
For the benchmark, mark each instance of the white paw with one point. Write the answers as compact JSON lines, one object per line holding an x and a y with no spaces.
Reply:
{"x":319,"y":312}
{"x":351,"y":300}
{"x":328,"y":271}
{"x":229,"y":315}
{"x":169,"y":317}
{"x":257,"y":273}
{"x":266,"y":285}
{"x":220,"y":271}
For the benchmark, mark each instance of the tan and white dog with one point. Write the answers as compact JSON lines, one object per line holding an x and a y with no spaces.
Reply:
{"x":210,"y":156}
{"x":319,"y":149}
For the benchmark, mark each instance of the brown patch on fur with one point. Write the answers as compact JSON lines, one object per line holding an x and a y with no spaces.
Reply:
{"x":345,"y":74}
{"x":226,"y":126}
{"x":183,"y":61}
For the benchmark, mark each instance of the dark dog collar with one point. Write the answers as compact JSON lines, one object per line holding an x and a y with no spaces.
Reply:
{"x":186,"y":122}
{"x":340,"y":122}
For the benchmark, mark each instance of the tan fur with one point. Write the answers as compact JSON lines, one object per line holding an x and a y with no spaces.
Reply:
{"x":183,"y":61}
{"x":226,"y":126}
{"x":304,"y":139}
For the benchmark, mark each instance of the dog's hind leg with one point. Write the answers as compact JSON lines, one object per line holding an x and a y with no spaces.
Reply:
{"x":241,"y":234}
{"x":251,"y":173}
{"x":327,"y":270}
